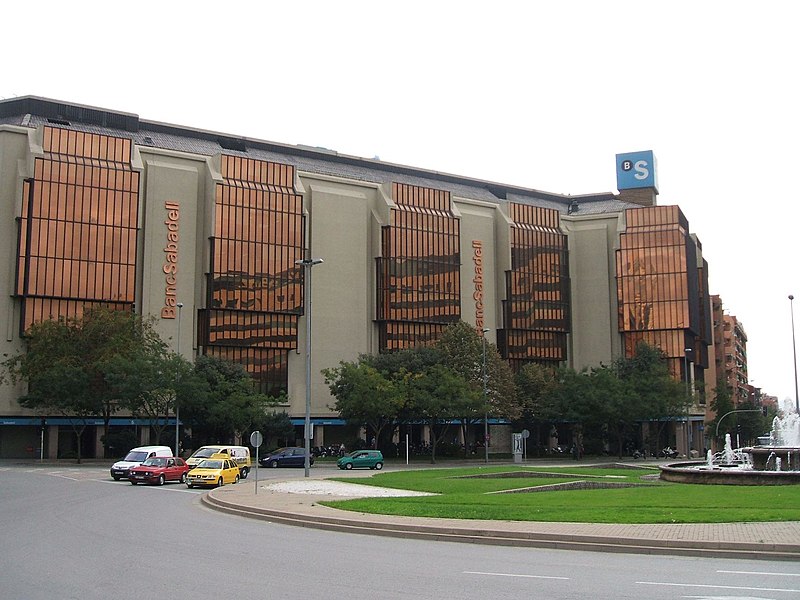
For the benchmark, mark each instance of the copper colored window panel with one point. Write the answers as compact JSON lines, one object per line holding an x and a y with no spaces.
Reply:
{"x":269,"y":368}
{"x":78,"y":227}
{"x":536,"y":312}
{"x":653,"y":281}
{"x":250,"y":329}
{"x":418,"y":274}
{"x":255,"y":290}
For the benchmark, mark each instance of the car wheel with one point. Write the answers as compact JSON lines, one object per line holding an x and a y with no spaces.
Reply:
{"x":133,"y":483}
{"x":245,"y":473}
{"x":115,"y":478}
{"x":379,"y":466}
{"x":190,"y":486}
{"x":236,"y":480}
{"x":220,"y":483}
{"x":183,"y":477}
{"x":273,"y":464}
{"x":161,"y":479}
{"x":348,"y":466}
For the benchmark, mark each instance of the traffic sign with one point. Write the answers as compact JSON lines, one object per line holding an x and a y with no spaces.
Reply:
{"x":256,"y":439}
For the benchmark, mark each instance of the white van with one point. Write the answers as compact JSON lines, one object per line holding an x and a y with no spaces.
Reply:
{"x":134,"y":458}
{"x":241,"y":454}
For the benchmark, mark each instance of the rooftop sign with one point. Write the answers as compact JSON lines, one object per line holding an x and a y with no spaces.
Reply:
{"x":636,"y":170}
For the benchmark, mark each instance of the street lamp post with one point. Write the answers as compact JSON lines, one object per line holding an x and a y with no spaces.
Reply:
{"x":794,"y":354}
{"x":485,"y":401}
{"x":307,"y":263}
{"x":686,"y":352}
{"x":177,"y":410}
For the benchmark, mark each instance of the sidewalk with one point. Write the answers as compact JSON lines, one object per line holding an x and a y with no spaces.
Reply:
{"x":763,"y":541}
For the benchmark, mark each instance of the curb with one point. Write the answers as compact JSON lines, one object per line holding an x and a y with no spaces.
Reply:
{"x":411,"y":529}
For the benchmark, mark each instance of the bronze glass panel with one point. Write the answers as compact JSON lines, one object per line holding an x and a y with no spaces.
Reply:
{"x":536,"y":312}
{"x":418,"y":275}
{"x":254,"y":285}
{"x":69,"y":224}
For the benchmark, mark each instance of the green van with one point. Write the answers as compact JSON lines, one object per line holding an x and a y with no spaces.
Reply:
{"x":361,"y":459}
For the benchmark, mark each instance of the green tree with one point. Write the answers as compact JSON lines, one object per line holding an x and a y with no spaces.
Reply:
{"x":721,"y":405}
{"x":66,"y":364}
{"x":655,"y":394}
{"x":277,"y":429}
{"x":231,"y":405}
{"x":437,"y":397}
{"x":535,"y":384}
{"x":150,"y":384}
{"x":613,"y":401}
{"x":750,"y":423}
{"x":364,"y":395}
{"x":462,"y":350}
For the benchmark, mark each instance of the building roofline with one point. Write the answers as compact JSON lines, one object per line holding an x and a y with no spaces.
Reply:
{"x":64,"y":113}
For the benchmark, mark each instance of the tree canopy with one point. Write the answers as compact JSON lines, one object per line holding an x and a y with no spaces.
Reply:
{"x":68,"y":364}
{"x":230,"y":405}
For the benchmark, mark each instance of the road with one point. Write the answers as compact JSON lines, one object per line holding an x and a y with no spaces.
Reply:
{"x":72,"y":532}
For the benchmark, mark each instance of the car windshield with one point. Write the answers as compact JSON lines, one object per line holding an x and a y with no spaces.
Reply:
{"x":135,"y":456}
{"x":205,"y":452}
{"x":354,"y":454}
{"x":210,"y":464}
{"x":155,"y":462}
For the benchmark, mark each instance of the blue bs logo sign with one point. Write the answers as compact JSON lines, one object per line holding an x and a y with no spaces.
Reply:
{"x":636,"y":170}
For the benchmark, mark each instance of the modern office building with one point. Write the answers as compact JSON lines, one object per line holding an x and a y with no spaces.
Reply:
{"x":203,"y":231}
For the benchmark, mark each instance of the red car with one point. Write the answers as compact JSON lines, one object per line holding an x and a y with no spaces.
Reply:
{"x":159,"y":469}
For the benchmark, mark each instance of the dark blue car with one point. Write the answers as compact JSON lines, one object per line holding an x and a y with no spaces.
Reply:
{"x":286,"y":457}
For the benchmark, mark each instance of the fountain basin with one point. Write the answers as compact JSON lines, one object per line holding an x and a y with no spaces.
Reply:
{"x":765,"y":458}
{"x":700,"y":472}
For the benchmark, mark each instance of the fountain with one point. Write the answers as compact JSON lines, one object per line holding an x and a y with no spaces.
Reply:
{"x":775,"y":464}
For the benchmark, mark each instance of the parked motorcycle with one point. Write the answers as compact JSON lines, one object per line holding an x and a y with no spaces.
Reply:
{"x":668,"y":452}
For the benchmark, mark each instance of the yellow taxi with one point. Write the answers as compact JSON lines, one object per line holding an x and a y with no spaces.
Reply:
{"x":217,"y":470}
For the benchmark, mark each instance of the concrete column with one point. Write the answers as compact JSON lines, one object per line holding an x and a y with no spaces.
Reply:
{"x":52,"y":441}
{"x":99,"y":450}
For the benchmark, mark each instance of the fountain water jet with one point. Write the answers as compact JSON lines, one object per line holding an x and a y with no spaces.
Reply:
{"x":775,"y":464}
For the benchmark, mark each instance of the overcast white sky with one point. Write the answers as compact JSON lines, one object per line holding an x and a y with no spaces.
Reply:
{"x":539,"y":94}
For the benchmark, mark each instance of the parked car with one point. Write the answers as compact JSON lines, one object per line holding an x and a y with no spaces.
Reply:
{"x":159,"y":469}
{"x":241,"y":454}
{"x":361,"y":459}
{"x":214,"y":472}
{"x":136,"y":457}
{"x":286,"y":457}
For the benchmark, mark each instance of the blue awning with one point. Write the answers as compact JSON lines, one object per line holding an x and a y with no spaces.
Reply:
{"x":117,"y":422}
{"x":320,"y":421}
{"x":20,"y":421}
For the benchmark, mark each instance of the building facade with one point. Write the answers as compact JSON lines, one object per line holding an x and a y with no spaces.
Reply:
{"x":730,"y":351}
{"x":203,"y":231}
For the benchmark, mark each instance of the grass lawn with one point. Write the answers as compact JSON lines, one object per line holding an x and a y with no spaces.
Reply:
{"x":459,"y":497}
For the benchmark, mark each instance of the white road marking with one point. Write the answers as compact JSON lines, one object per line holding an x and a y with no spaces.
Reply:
{"x":717,"y":587}
{"x":727,"y":597}
{"x":513,"y":575}
{"x":761,"y":573}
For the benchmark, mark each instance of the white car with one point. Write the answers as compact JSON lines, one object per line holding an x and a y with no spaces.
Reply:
{"x":134,"y":458}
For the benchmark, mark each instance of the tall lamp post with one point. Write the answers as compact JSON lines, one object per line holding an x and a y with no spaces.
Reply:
{"x":794,"y":354}
{"x":485,"y":401}
{"x":177,"y":410}
{"x":307,"y":263}
{"x":686,"y":352}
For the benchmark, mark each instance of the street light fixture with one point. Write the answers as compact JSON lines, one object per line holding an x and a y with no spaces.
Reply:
{"x":485,"y":400}
{"x":177,"y":410}
{"x":307,"y":263}
{"x":794,"y":354}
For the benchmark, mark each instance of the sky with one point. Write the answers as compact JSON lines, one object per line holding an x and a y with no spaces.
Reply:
{"x":539,"y":94}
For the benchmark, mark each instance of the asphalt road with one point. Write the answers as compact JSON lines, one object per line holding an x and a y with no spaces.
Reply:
{"x":74,"y":533}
